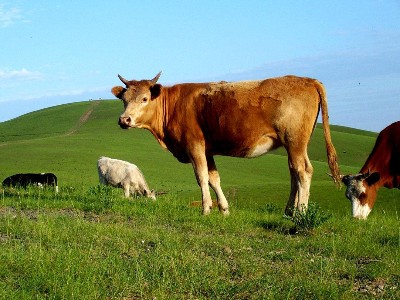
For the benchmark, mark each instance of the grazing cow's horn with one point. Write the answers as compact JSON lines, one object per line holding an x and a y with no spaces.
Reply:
{"x":155,"y":79}
{"x":123,"y":79}
{"x":330,"y":175}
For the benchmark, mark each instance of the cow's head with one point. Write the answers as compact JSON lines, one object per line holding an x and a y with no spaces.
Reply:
{"x":361,"y":192}
{"x":137,"y":97}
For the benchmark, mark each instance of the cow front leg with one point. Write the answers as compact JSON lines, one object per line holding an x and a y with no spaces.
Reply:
{"x":215,"y":183}
{"x":199,"y":164}
{"x":127,"y":188}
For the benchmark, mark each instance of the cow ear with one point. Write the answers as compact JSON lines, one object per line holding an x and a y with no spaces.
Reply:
{"x":118,"y":91}
{"x":346,"y":179}
{"x":155,"y":91}
{"x":373,"y":178}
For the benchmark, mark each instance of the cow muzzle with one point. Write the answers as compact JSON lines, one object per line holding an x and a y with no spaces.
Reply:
{"x":360,"y":211}
{"x":124,"y":122}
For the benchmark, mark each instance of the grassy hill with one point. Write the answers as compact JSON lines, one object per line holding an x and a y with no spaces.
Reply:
{"x":68,"y":139}
{"x":89,"y":242}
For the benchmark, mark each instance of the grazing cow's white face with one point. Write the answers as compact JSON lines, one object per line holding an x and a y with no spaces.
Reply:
{"x":358,"y":190}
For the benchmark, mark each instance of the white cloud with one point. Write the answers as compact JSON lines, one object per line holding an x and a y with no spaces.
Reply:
{"x":9,"y":15}
{"x":22,"y":74}
{"x":68,"y":93}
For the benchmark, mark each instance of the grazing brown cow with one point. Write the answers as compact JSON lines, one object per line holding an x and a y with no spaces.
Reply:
{"x":196,"y":121}
{"x":382,"y":168}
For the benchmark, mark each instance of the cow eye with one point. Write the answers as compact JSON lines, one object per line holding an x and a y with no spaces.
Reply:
{"x":145,"y":99}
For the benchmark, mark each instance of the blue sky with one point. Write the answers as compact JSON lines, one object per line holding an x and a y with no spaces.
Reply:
{"x":55,"y":52}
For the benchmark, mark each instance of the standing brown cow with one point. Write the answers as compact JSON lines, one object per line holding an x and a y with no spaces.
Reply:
{"x":196,"y":121}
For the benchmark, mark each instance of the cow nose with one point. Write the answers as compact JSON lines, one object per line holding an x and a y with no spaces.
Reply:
{"x":124,"y":122}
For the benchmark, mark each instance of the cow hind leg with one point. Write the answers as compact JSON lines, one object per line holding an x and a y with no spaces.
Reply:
{"x":301,"y":172}
{"x":199,"y":163}
{"x":294,"y":189}
{"x":215,"y":183}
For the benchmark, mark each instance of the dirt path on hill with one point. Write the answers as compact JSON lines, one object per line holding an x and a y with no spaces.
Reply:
{"x":84,"y":118}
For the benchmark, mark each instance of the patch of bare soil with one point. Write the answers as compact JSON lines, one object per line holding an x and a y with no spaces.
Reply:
{"x":377,"y":287}
{"x":369,"y":287}
{"x":34,"y":214}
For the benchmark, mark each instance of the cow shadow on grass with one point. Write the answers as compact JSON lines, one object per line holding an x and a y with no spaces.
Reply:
{"x":275,"y":221}
{"x":282,"y":227}
{"x":286,"y":228}
{"x":301,"y":223}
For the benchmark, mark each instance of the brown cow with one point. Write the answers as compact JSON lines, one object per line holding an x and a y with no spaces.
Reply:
{"x":382,"y":168}
{"x":196,"y":121}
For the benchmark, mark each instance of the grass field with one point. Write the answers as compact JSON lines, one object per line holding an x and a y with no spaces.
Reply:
{"x":88,"y":242}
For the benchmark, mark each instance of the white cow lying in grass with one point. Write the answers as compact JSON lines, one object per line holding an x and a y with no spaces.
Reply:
{"x":120,"y":173}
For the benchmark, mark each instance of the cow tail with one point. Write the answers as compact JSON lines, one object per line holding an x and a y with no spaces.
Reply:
{"x":330,"y":149}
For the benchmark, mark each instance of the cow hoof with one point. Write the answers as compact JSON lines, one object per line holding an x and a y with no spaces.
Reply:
{"x":207,"y":210}
{"x":225,"y":211}
{"x":289,"y":212}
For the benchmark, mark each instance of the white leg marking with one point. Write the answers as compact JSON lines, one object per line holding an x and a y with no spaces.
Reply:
{"x":215,"y":183}
{"x":201,"y":172}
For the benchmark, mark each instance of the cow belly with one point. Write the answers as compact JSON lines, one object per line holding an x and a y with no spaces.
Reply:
{"x":263,"y":146}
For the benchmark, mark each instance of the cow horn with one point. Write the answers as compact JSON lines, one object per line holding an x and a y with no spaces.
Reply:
{"x":155,"y":79}
{"x":126,"y":82}
{"x":330,"y":175}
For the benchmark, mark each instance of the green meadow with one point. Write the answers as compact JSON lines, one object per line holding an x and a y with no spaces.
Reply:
{"x":88,"y":242}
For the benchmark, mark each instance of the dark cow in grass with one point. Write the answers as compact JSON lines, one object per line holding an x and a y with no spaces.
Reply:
{"x":382,"y":169}
{"x":24,"y":180}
